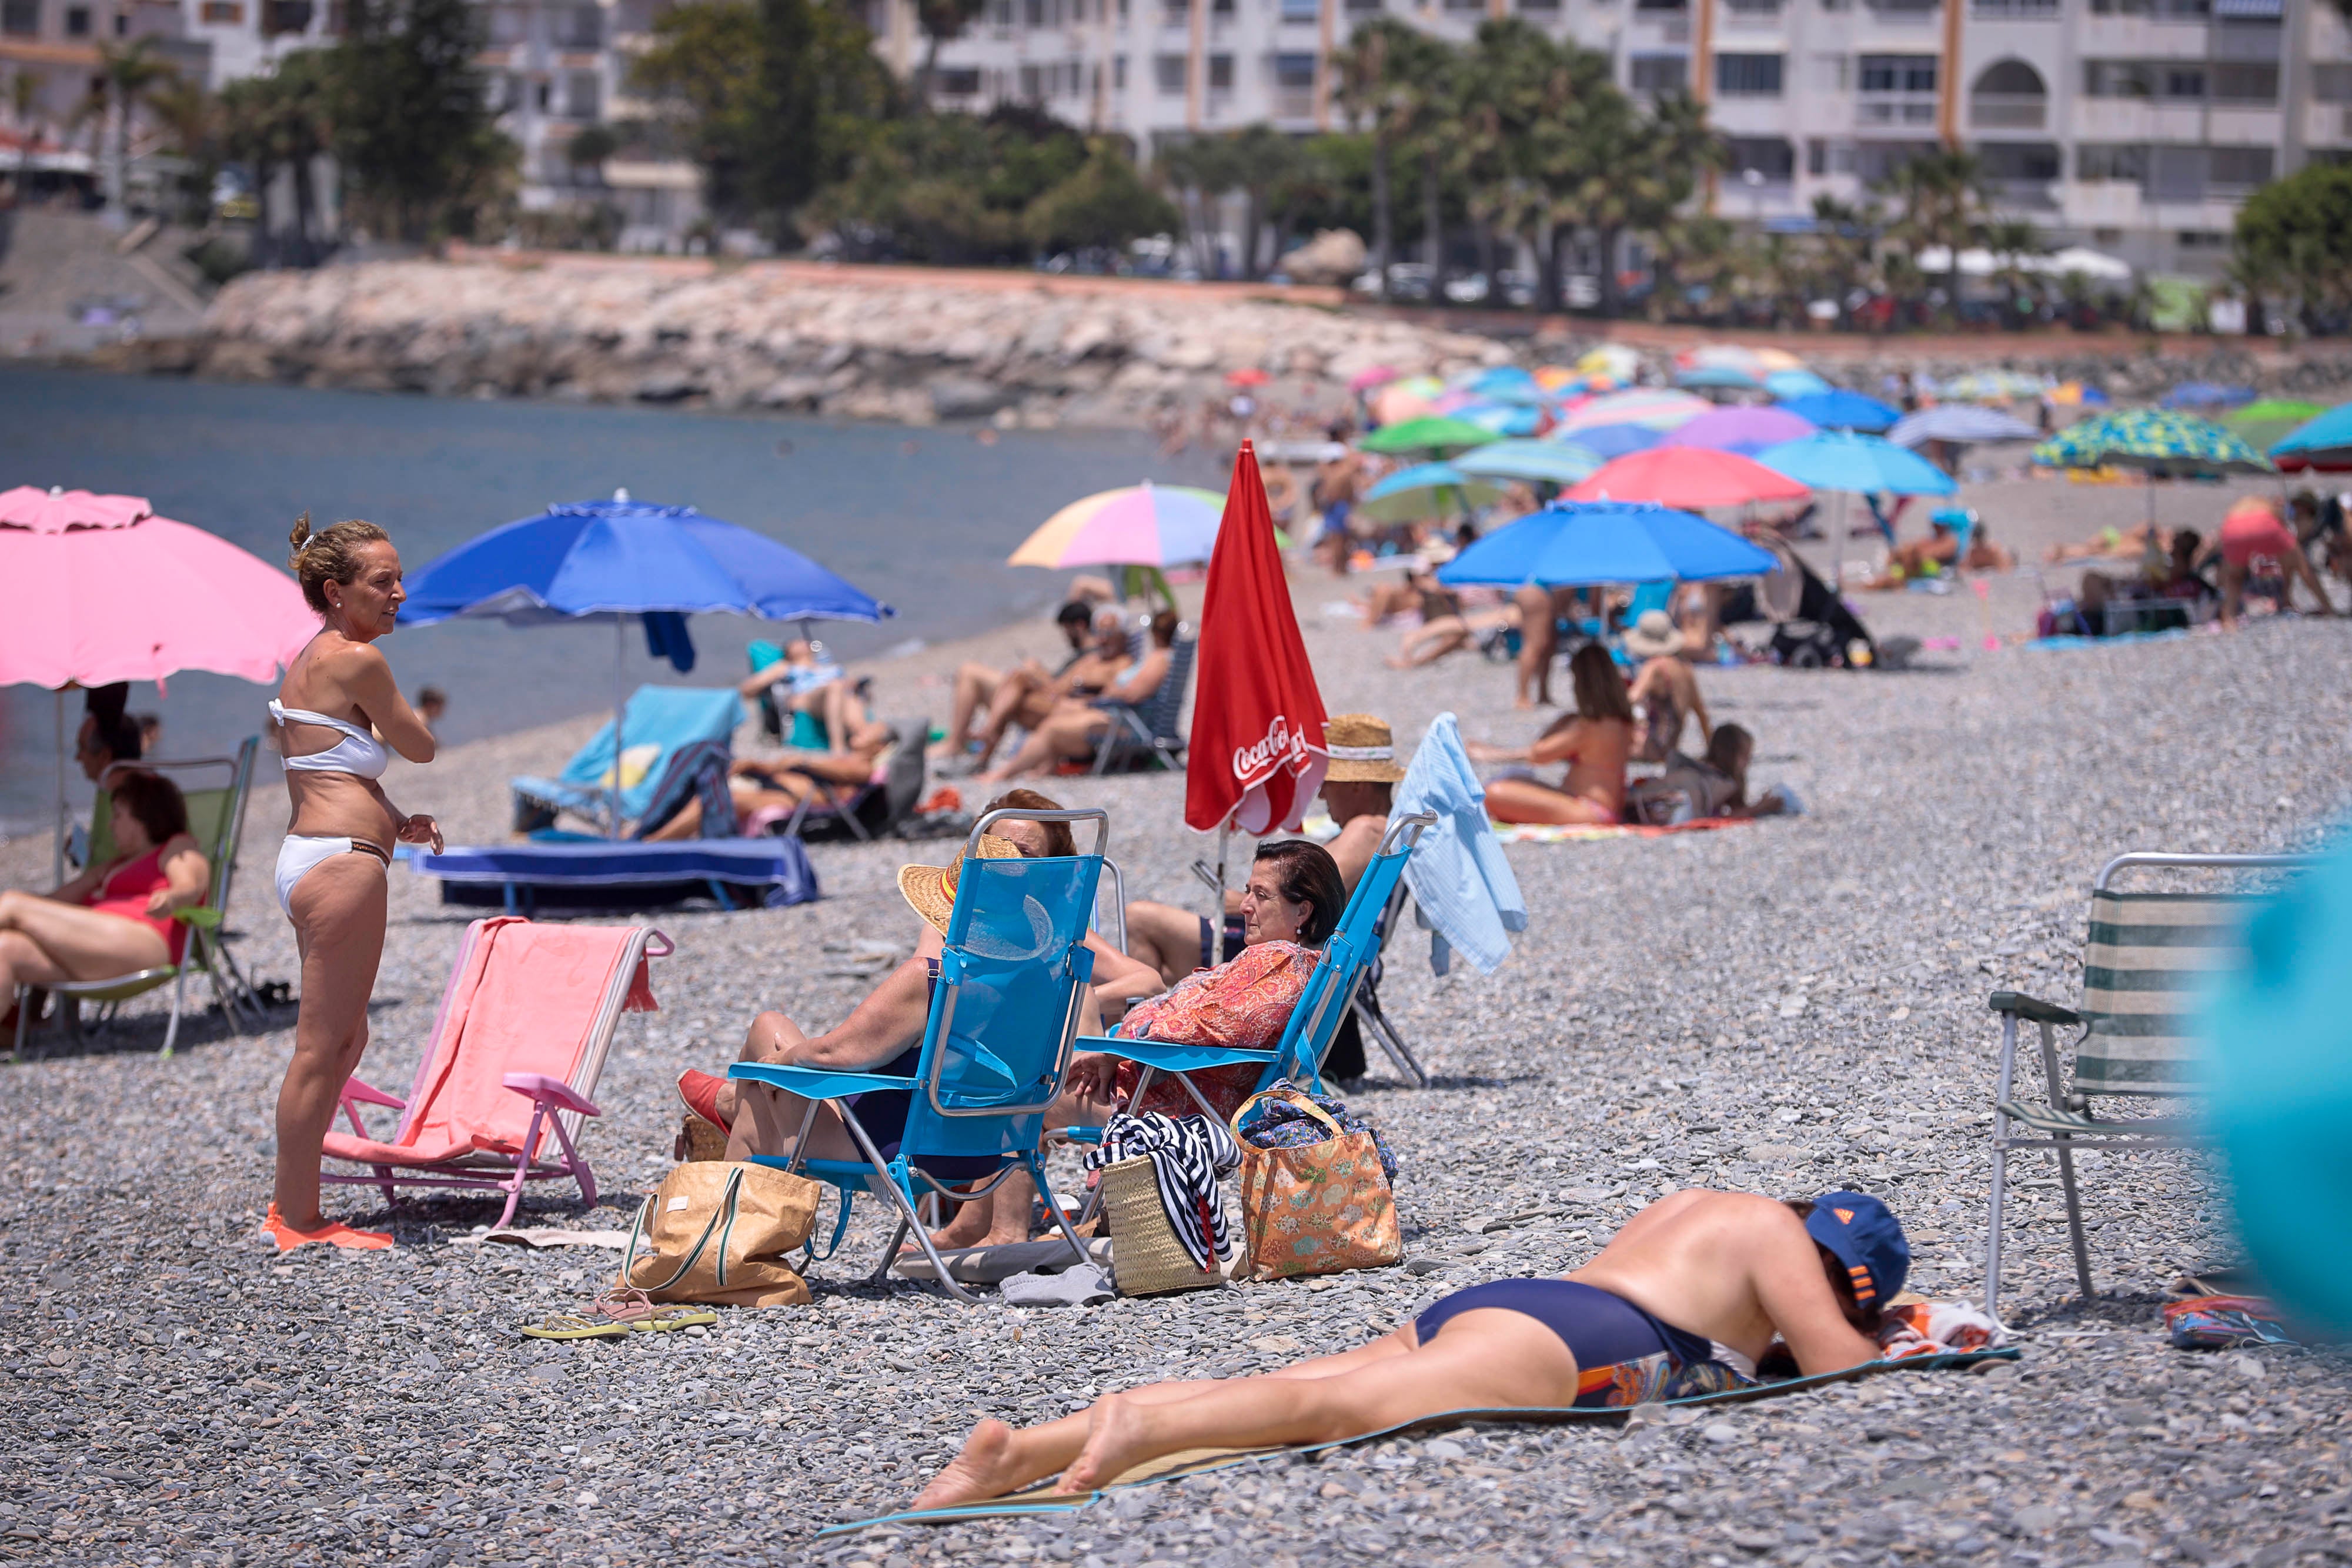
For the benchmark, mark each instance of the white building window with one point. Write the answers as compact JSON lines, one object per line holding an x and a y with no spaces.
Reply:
{"x":1748,"y":75}
{"x":1169,"y":72}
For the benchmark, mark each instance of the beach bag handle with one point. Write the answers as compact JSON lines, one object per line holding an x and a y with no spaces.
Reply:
{"x":725,"y":1207}
{"x":1295,"y":1096}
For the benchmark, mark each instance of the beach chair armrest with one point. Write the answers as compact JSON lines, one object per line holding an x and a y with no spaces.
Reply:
{"x":198,"y":914}
{"x":550,"y":1091}
{"x":368,"y":1094}
{"x":814,"y":1083}
{"x":1165,"y":1056}
{"x":2033,"y":1010}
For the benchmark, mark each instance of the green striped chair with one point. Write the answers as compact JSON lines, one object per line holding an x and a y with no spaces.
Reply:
{"x":2144,"y":968}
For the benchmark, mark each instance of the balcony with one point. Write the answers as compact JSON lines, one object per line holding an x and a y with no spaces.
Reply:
{"x":2007,"y":111}
{"x":2014,"y":10}
{"x":1895,"y":108}
{"x":1293,"y":103}
{"x":2023,"y":196}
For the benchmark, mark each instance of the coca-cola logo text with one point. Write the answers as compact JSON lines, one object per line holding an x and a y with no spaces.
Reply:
{"x":1279,"y":744}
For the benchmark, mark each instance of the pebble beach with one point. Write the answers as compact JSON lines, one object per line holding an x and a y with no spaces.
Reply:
{"x":1783,"y":1006}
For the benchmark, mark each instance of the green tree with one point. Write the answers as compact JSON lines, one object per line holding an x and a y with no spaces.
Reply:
{"x":190,"y":118}
{"x":412,"y":127}
{"x":1104,"y":204}
{"x":1941,"y":197}
{"x":128,"y":76}
{"x":1845,"y":246}
{"x":703,"y":73}
{"x":2290,"y":242}
{"x":1388,"y":75}
{"x":282,"y":121}
{"x":943,"y":22}
{"x":1326,"y":186}
{"x":2013,"y":242}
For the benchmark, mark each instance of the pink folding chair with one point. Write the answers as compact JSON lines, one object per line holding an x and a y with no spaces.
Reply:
{"x":524,"y":1026}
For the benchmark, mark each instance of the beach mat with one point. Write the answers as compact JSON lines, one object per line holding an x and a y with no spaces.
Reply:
{"x":1041,"y":1499}
{"x":1576,"y":832}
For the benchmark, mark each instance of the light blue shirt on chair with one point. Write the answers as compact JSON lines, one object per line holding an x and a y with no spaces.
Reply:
{"x":1460,"y":879}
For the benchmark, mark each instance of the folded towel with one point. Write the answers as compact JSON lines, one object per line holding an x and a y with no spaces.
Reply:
{"x":1188,"y":1155}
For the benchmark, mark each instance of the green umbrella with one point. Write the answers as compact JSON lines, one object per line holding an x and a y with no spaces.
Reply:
{"x":1426,"y":490}
{"x":2264,"y":424}
{"x":2169,"y":445}
{"x":1432,"y":435}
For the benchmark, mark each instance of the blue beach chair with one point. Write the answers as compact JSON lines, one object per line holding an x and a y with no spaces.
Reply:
{"x":659,"y":728}
{"x":1347,"y":954}
{"x":1004,"y":1013}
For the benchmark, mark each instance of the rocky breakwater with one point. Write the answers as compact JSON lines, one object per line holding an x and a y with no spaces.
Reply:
{"x":910,"y":347}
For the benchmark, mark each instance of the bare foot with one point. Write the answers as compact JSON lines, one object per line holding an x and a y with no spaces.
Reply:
{"x":968,"y":1228}
{"x":985,"y":1469}
{"x":1114,"y":1445}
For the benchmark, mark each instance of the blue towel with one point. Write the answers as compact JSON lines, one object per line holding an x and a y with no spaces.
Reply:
{"x":1459,"y":877}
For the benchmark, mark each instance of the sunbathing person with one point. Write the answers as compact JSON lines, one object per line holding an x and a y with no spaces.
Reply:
{"x":885,"y":1034}
{"x":784,"y":782}
{"x":1665,"y":690}
{"x":1940,"y":552}
{"x":2108,"y":544}
{"x":1358,"y":789}
{"x":116,"y":919}
{"x":1076,"y":726}
{"x":1711,"y":787}
{"x":1692,"y":1294}
{"x":1026,"y":696}
{"x":1595,"y":741}
{"x":976,"y":685}
{"x":798,"y":683}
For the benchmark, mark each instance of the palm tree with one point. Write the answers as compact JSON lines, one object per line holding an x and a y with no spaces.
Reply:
{"x":1942,"y":199}
{"x":1263,"y":160}
{"x":190,"y":120}
{"x":1847,"y":245}
{"x":2012,"y":240}
{"x":24,"y":110}
{"x":1383,"y":75}
{"x":279,"y":121}
{"x":127,"y":75}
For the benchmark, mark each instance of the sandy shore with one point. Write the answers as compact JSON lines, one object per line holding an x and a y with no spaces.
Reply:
{"x":1783,"y":1008}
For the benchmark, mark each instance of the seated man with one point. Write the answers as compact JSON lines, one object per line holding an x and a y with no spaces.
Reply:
{"x":1027,"y":695}
{"x":1358,"y":788}
{"x":1693,"y":1293}
{"x":784,"y":781}
{"x":1076,"y":726}
{"x":976,"y":683}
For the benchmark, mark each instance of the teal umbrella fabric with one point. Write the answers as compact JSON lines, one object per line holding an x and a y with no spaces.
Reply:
{"x":1786,"y":384}
{"x":1863,"y":464}
{"x":2325,"y":443}
{"x":1721,"y":378}
{"x":2176,"y":443}
{"x":1426,"y":490}
{"x":2279,"y":1032}
{"x":1536,"y":462}
{"x":1583,"y":543}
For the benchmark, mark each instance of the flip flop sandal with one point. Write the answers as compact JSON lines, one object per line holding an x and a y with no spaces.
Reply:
{"x":638,"y":1313}
{"x":574,"y":1325}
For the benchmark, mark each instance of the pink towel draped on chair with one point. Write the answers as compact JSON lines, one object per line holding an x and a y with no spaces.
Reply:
{"x":526,"y":1001}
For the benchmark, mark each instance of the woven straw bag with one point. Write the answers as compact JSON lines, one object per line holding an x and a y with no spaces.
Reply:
{"x":1146,"y":1259}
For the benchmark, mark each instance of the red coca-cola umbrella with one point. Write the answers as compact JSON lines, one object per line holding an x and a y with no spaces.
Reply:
{"x":1255,"y":756}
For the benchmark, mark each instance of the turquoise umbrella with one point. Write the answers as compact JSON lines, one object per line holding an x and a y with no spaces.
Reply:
{"x":1426,"y":490}
{"x":2324,"y":443}
{"x":1536,"y":462}
{"x":1860,"y":465}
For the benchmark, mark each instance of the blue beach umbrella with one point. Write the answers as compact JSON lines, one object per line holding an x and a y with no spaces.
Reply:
{"x":1503,"y":419}
{"x":1505,"y":384}
{"x":2324,"y":443}
{"x":611,"y":561}
{"x":1838,"y":408}
{"x":1609,"y":441}
{"x":1717,"y":376}
{"x":1538,"y":462}
{"x":2207,"y":394}
{"x":1583,"y":543}
{"x":1786,"y":384}
{"x":1864,"y":464}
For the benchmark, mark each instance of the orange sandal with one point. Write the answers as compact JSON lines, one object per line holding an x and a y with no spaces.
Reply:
{"x":331,"y":1234}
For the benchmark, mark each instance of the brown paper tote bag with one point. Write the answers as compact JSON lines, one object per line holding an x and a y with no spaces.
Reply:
{"x":1319,"y":1209}
{"x":720,"y":1232}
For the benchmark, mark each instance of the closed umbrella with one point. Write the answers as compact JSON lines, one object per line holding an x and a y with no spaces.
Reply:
{"x":1838,"y":408}
{"x":1746,"y":430}
{"x":1256,"y":755}
{"x":2324,"y":443}
{"x":1426,"y":490}
{"x":622,"y":559}
{"x":1961,"y":423}
{"x":1536,"y":462}
{"x":1431,"y":435}
{"x":1692,"y":476}
{"x":1571,"y":544}
{"x":98,"y":589}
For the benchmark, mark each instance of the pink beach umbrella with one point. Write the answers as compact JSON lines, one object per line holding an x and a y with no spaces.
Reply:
{"x":95,"y":589}
{"x":1658,"y":408}
{"x":1364,"y":381}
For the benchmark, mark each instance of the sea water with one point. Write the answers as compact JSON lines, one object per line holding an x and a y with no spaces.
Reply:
{"x":920,"y":518}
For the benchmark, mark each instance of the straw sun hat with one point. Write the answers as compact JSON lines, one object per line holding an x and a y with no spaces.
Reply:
{"x":1362,"y":751}
{"x":1653,"y":636}
{"x":931,"y":889}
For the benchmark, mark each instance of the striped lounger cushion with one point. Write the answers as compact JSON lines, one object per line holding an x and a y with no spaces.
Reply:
{"x":2149,"y":959}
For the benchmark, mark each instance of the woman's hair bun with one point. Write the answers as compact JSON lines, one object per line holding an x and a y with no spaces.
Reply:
{"x":299,"y":537}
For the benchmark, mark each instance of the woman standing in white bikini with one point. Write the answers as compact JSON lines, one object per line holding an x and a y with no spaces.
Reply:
{"x":339,"y":695}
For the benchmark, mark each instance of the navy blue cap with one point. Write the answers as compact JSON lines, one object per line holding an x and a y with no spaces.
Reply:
{"x":1863,"y":1234}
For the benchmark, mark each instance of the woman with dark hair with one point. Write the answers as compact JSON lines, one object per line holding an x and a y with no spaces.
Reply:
{"x":340,"y":718}
{"x":116,"y":919}
{"x":1595,"y":741}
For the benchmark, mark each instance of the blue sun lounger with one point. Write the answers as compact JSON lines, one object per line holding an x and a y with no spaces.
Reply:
{"x":995,"y":1048}
{"x":598,"y":874}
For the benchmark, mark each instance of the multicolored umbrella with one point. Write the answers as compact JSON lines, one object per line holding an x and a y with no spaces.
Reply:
{"x":2324,"y":443}
{"x":2170,"y":443}
{"x":1256,"y":755}
{"x":1655,"y":407}
{"x":2266,"y":423}
{"x":1503,"y":419}
{"x":1535,"y":462}
{"x":1139,"y":525}
{"x":1692,"y":476}
{"x":1757,"y":362}
{"x":2075,"y":394}
{"x":1747,"y":431}
{"x":1431,"y":435}
{"x":1426,"y":490}
{"x":1399,"y":402}
{"x":1994,"y":386}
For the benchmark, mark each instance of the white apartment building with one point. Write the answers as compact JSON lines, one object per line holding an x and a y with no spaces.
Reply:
{"x":2132,"y":126}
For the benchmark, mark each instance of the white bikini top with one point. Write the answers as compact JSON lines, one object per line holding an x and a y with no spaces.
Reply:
{"x":358,"y":753}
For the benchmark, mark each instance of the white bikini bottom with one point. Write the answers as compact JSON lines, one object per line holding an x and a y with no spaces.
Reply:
{"x":298,"y":855}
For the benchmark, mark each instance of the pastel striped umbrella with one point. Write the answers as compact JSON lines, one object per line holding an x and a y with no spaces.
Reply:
{"x":1747,"y":431}
{"x":1141,"y":525}
{"x":1536,"y":462}
{"x":1658,"y":408}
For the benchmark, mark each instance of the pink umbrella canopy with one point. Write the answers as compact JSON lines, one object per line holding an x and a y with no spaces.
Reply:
{"x":96,"y":589}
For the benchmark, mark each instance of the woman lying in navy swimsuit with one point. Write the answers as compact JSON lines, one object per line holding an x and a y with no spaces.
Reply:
{"x":1687,"y":1298}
